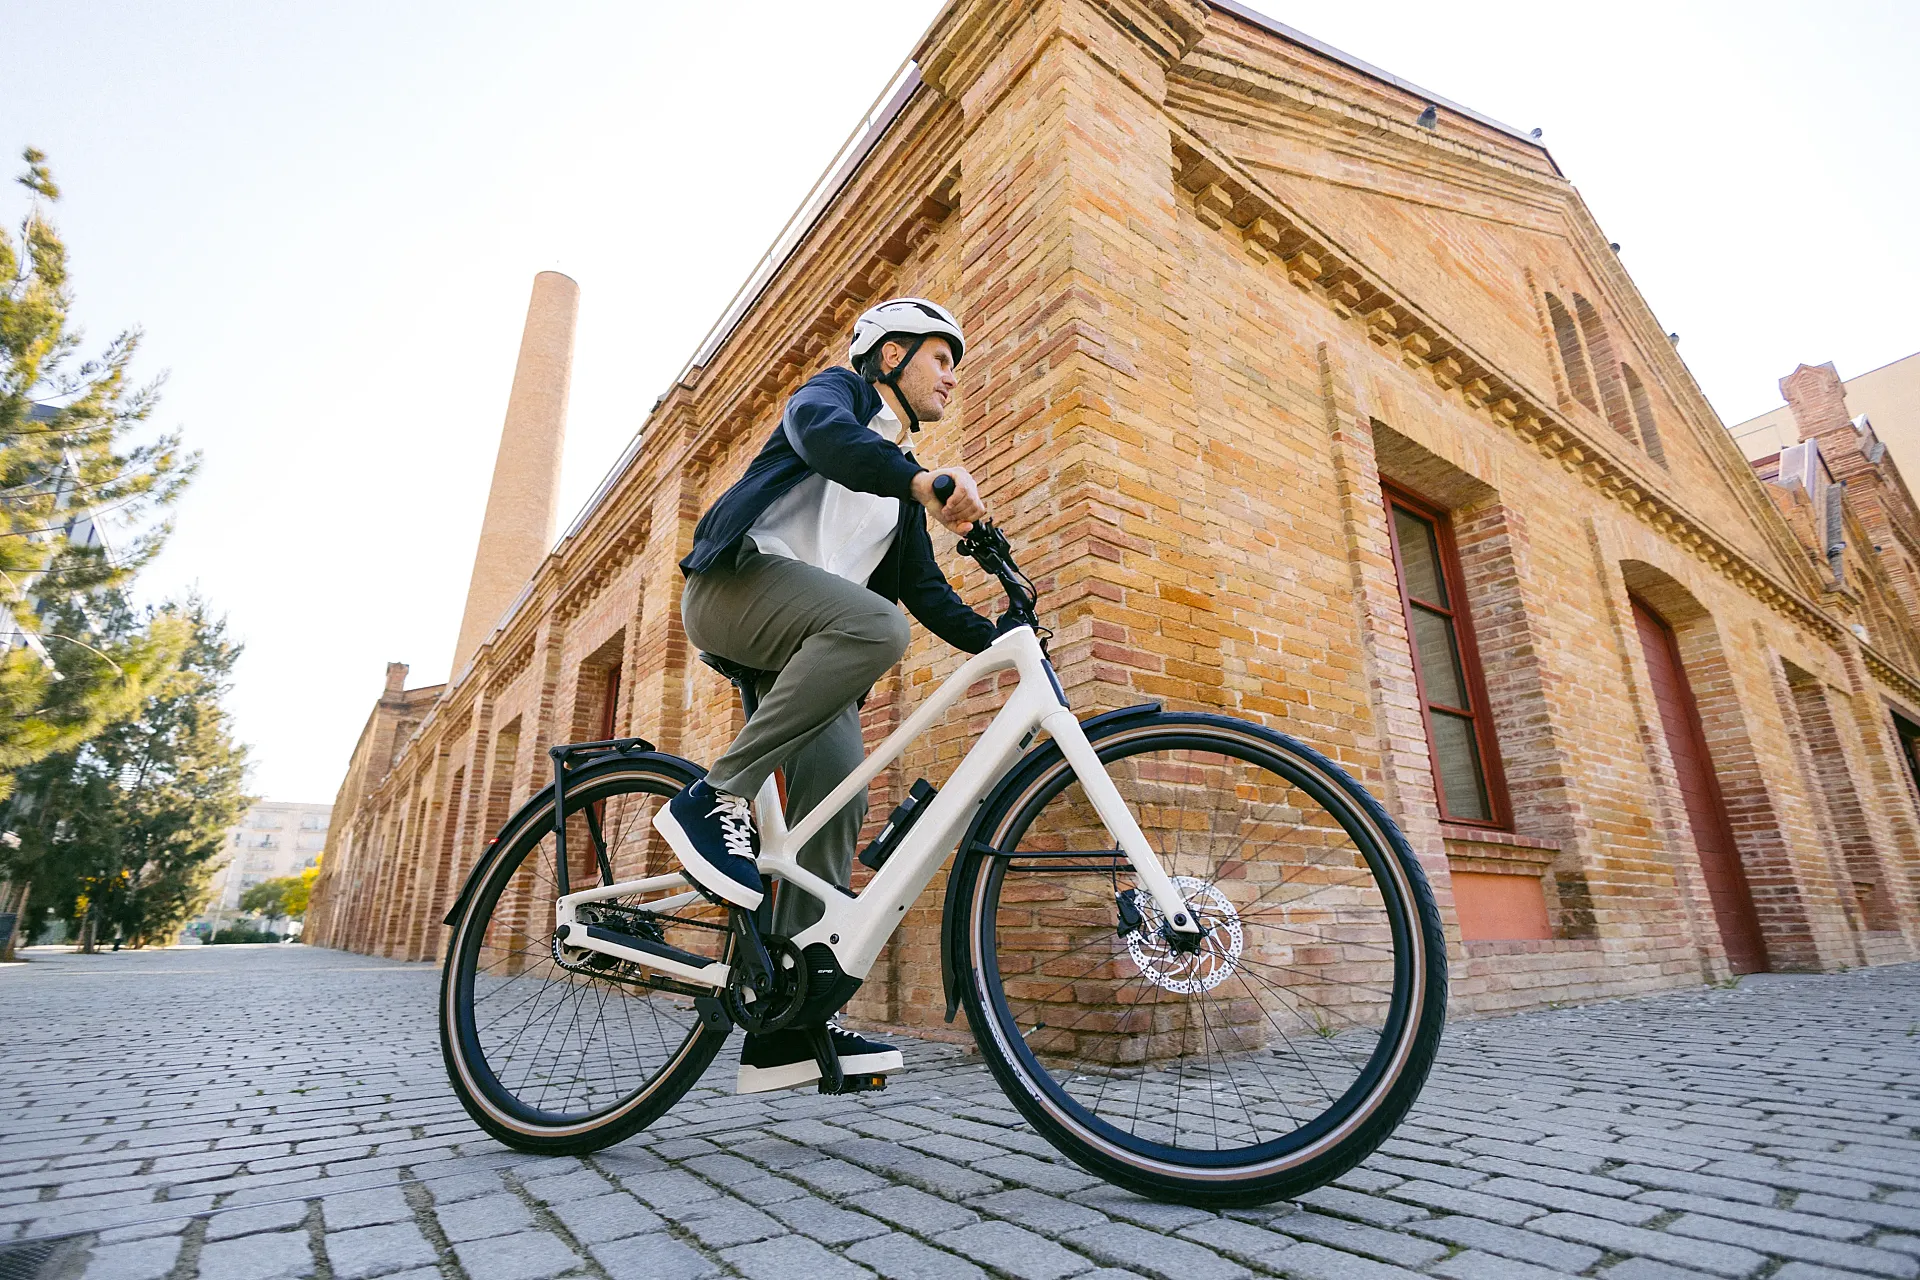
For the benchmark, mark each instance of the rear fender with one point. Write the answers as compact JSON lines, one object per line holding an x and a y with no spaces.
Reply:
{"x":542,"y":800}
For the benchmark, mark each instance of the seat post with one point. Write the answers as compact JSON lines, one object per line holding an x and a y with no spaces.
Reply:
{"x":744,"y":678}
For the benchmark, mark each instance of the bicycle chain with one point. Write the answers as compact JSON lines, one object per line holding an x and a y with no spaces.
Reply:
{"x":636,"y":922}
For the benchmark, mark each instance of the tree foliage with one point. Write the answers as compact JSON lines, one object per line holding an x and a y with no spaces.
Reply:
{"x":119,"y":834}
{"x":283,"y":897}
{"x":72,"y":444}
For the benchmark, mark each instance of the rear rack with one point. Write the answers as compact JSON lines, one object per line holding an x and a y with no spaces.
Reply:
{"x":574,"y":755}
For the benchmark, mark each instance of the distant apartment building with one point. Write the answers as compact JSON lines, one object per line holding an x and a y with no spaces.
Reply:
{"x":276,"y":838}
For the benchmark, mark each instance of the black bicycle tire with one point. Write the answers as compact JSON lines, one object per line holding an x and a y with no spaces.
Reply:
{"x":458,"y":1042}
{"x":1205,"y":1182}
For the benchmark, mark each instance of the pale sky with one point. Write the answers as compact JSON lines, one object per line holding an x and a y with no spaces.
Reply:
{"x":327,"y":218}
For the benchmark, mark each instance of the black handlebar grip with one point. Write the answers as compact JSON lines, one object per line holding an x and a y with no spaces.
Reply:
{"x":943,"y":487}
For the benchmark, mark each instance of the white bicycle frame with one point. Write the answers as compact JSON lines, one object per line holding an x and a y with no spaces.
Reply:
{"x":857,"y":926}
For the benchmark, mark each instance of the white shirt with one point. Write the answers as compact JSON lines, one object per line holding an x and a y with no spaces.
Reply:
{"x":830,"y":526}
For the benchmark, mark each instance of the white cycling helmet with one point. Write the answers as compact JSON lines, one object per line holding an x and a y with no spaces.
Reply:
{"x":915,"y":317}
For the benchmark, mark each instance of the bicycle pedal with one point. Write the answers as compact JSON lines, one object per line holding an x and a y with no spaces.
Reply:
{"x":856,"y":1084}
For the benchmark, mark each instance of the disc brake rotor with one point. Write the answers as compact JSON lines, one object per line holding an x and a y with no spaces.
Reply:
{"x":1188,"y":972}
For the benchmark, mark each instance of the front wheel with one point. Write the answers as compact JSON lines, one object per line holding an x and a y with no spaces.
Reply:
{"x":1269,"y":1060}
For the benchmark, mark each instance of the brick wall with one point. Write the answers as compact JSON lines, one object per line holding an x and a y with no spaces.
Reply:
{"x":1218,"y":288}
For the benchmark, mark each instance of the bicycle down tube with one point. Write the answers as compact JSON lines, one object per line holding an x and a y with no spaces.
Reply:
{"x":856,"y":927}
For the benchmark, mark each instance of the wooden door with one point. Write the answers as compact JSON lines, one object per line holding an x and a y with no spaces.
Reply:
{"x":1706,"y":812}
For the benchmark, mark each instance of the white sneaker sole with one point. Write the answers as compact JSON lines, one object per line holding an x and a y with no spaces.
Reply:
{"x":698,"y":869}
{"x":766,"y":1079}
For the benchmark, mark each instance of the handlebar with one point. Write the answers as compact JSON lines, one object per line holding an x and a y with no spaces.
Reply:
{"x":988,"y":547}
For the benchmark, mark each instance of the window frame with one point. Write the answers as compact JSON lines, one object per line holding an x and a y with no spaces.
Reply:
{"x":1493,"y":776}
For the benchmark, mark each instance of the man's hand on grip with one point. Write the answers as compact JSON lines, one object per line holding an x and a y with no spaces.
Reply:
{"x":960,"y":509}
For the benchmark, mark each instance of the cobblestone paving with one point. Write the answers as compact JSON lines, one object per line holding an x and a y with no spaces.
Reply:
{"x":243,"y":1113}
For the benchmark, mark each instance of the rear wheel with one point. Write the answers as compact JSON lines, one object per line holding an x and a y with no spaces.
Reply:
{"x":557,"y":1050}
{"x":1267,"y":1061}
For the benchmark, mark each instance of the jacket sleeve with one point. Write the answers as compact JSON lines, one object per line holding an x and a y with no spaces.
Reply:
{"x":924,"y":590}
{"x":823,"y":426}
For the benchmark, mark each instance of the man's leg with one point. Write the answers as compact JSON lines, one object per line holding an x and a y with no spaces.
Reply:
{"x":785,"y":1058}
{"x":820,"y":765}
{"x":829,"y":639}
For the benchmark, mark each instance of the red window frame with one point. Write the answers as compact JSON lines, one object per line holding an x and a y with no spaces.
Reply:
{"x":610,"y":704}
{"x":1493,"y":778}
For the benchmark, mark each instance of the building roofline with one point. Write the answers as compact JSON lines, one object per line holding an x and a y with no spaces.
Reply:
{"x":1294,"y":35}
{"x":846,"y":161}
{"x":1867,"y":373}
{"x":900,"y":89}
{"x":1734,"y":429}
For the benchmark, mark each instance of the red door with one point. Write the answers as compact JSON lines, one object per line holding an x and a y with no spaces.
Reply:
{"x":1706,"y":813}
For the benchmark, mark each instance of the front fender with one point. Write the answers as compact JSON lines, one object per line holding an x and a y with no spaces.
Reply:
{"x":966,"y":866}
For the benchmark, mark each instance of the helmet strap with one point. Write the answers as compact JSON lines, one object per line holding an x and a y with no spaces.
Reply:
{"x":893,"y":380}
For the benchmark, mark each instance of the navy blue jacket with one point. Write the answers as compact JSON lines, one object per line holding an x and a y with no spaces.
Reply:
{"x":824,"y":430}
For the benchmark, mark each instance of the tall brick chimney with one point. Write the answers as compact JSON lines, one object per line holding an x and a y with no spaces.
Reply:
{"x":523,"y":504}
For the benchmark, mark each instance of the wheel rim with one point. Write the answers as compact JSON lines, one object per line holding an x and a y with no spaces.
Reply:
{"x":1261,"y":1051}
{"x":550,"y":1050}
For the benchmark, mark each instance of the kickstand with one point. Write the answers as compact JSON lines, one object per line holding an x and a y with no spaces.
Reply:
{"x":832,"y":1078}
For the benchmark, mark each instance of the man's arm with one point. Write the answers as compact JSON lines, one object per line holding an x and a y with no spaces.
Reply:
{"x":924,"y":590}
{"x":823,"y":426}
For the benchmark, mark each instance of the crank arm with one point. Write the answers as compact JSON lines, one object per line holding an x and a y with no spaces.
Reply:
{"x":657,"y":956}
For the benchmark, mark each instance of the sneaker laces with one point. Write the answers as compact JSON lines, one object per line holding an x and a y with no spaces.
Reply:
{"x":736,"y":822}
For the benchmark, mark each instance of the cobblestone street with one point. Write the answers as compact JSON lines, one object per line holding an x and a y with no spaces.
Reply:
{"x":242,"y":1113}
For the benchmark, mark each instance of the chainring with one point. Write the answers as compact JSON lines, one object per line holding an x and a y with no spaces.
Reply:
{"x":769,"y":1010}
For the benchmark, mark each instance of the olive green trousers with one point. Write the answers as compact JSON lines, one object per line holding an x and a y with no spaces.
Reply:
{"x":825,"y":640}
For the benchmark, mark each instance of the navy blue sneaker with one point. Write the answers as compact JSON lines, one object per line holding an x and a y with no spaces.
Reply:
{"x":785,"y":1059}
{"x":712,"y":834}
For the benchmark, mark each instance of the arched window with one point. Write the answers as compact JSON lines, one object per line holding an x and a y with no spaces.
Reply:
{"x":1572,"y":358}
{"x":1607,"y":369}
{"x":1643,"y":413}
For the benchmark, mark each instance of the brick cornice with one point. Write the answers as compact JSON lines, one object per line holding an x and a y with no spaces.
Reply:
{"x":1661,"y":362}
{"x":1225,"y":78}
{"x":970,"y":40}
{"x":1220,"y":84}
{"x":1226,"y":196}
{"x":613,"y":556}
{"x":1893,"y":677}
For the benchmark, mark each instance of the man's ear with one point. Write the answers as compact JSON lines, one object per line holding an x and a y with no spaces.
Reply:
{"x":899,"y":353}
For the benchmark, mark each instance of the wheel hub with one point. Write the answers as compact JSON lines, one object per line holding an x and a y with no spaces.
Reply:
{"x":1188,"y":972}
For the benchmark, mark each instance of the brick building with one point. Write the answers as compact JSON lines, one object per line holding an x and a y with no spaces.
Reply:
{"x":1275,"y":361}
{"x":1888,"y":397}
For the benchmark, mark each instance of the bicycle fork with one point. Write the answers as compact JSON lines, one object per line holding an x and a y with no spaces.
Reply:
{"x":1114,"y":811}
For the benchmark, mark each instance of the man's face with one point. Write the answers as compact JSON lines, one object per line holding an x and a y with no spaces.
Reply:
{"x":928,"y":381}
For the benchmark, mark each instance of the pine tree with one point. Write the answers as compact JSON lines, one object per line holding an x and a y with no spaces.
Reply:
{"x":68,"y":450}
{"x":120,"y":833}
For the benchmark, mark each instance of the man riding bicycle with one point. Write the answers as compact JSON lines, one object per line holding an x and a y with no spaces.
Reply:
{"x":795,"y":571}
